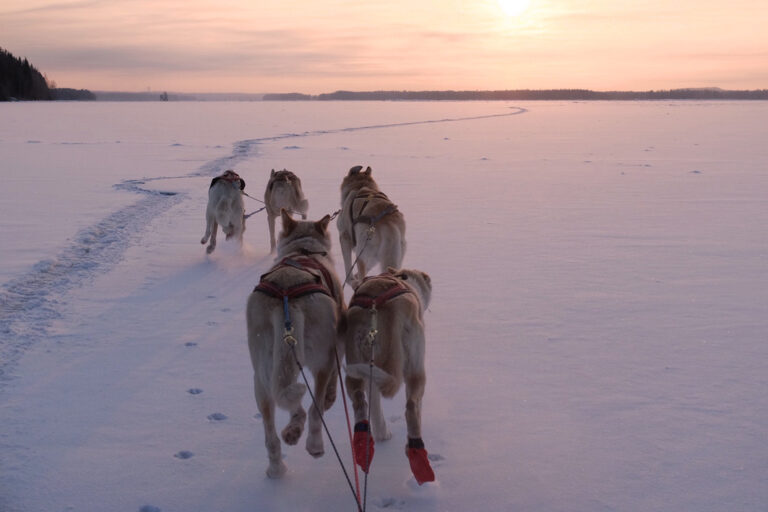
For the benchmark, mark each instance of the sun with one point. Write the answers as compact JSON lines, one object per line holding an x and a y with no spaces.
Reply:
{"x":514,"y":7}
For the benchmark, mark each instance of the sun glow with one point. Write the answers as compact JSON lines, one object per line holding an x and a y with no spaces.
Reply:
{"x":514,"y":7}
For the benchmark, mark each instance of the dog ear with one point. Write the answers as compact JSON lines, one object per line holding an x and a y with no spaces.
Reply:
{"x":322,"y":225}
{"x":356,"y":169}
{"x":288,"y":223}
{"x":272,"y":173}
{"x":391,"y":270}
{"x":427,"y":279}
{"x":368,"y":171}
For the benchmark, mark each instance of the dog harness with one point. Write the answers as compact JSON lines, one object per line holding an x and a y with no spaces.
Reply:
{"x":281,"y":175}
{"x":230,"y":177}
{"x":363,"y":300}
{"x":320,"y":284}
{"x":370,"y":220}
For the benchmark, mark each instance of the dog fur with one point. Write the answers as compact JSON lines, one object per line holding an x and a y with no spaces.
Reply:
{"x":398,"y":347}
{"x":364,"y":206}
{"x":283,"y":192}
{"x":315,"y":319}
{"x":225,"y":208}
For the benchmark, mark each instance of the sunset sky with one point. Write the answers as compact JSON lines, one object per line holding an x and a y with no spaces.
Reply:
{"x":315,"y":46}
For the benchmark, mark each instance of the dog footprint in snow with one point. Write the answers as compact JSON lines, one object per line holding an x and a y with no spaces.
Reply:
{"x":194,"y":391}
{"x":184,"y":454}
{"x":211,"y":323}
{"x":217,"y":416}
{"x":190,"y":344}
{"x":390,"y":503}
{"x":226,"y":310}
{"x":150,"y":508}
{"x":435,"y":457}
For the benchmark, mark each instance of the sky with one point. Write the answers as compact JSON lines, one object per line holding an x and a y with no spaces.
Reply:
{"x":316,"y":46}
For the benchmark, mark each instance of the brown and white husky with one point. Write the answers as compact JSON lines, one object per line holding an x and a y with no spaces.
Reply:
{"x":385,"y":326}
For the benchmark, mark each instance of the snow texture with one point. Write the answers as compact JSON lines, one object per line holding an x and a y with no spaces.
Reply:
{"x":596,"y":339}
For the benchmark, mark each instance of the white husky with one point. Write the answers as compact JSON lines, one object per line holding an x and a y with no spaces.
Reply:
{"x":292,"y":317}
{"x":283,"y":192}
{"x":370,"y":223}
{"x":225,"y":208}
{"x":385,"y":326}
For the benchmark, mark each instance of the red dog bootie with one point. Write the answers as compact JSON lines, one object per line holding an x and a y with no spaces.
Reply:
{"x":417,"y":457}
{"x":362,"y":444}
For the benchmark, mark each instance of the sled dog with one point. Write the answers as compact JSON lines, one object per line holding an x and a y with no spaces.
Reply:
{"x":370,"y":223}
{"x":293,"y":313}
{"x":225,"y":208}
{"x":385,"y":316}
{"x":283,"y":192}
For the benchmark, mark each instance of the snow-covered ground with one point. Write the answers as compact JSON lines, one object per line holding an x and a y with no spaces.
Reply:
{"x":597,"y":339}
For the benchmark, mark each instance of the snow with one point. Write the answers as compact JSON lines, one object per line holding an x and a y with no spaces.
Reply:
{"x":596,"y":337}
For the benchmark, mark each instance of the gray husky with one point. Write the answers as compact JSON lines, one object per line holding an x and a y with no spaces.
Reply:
{"x":292,"y":317}
{"x":370,"y":223}
{"x":283,"y":192}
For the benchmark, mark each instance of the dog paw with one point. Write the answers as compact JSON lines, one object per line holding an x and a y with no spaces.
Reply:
{"x":203,"y":240}
{"x":277,"y":470}
{"x":292,"y":433}
{"x":383,"y":436}
{"x":315,"y":447}
{"x":210,"y":249}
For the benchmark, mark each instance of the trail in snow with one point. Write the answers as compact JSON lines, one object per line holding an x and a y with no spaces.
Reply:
{"x":31,"y":302}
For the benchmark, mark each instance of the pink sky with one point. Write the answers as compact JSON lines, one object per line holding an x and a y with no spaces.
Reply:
{"x":322,"y":46}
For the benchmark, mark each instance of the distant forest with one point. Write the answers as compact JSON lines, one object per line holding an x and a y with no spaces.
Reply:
{"x":20,"y":80}
{"x":528,"y":94}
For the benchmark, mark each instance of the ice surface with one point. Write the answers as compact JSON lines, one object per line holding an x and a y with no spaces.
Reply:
{"x":596,"y":338}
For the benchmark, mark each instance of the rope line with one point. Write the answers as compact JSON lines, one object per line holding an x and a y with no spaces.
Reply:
{"x":325,"y":426}
{"x":349,"y":425}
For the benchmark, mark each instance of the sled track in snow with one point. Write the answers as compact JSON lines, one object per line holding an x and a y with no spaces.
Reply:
{"x":31,"y":302}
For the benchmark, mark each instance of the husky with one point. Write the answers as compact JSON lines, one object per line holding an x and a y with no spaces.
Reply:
{"x":225,"y":208}
{"x":283,"y":192}
{"x":370,"y":223}
{"x":292,"y":317}
{"x":386,"y":316}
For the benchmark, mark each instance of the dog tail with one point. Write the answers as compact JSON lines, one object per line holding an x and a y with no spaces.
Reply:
{"x":285,"y":371}
{"x":386,"y":383}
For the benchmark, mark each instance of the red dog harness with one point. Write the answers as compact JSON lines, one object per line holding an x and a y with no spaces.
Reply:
{"x":363,"y":300}
{"x":319,"y":285}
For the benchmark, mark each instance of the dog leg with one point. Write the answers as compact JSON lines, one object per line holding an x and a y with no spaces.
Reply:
{"x":266,"y":406}
{"x":414,"y":391}
{"x":208,"y":224}
{"x":346,"y":251}
{"x":362,"y":442}
{"x":330,"y":391}
{"x":212,"y":244}
{"x":314,"y":430}
{"x":414,"y":450}
{"x":271,"y":224}
{"x":380,"y":429}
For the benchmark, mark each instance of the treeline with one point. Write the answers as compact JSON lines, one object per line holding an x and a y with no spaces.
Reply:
{"x":20,"y":80}
{"x":527,"y":94}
